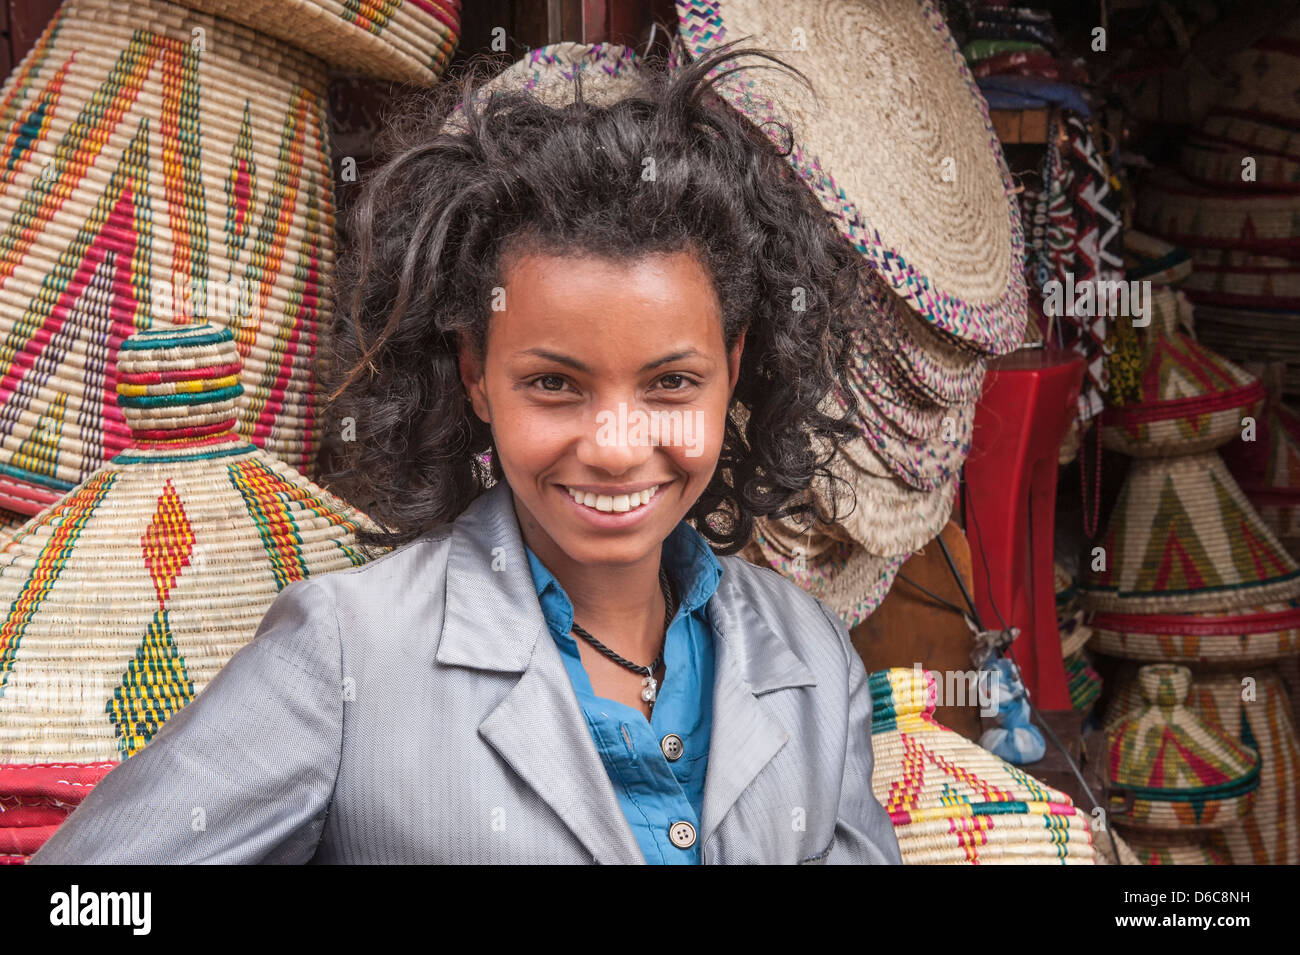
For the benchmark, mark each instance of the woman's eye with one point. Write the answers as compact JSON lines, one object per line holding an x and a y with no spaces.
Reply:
{"x":550,"y":382}
{"x":674,"y":382}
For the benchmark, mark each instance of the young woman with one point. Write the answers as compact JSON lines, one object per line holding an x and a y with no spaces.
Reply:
{"x":550,"y":316}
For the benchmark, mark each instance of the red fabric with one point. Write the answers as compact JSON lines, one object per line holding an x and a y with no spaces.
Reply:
{"x":66,"y":782}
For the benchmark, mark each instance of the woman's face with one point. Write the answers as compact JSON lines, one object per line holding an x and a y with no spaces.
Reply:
{"x":606,"y":384}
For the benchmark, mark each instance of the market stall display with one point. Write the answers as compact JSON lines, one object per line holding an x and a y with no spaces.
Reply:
{"x":125,"y":598}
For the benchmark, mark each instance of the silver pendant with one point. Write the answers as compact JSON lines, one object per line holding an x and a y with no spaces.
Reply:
{"x":648,"y":694}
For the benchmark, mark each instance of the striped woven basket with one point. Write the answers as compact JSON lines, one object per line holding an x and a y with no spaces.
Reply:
{"x":150,"y":177}
{"x":1268,"y":470}
{"x":1220,"y":165}
{"x":1237,"y":279}
{"x":1192,"y":215}
{"x":1251,"y":706}
{"x":410,"y":41}
{"x":1266,"y":78}
{"x":914,"y":178}
{"x":1252,"y":135}
{"x":126,"y":597}
{"x":953,"y":803}
{"x":1186,"y":398}
{"x":1245,"y":335}
{"x":1182,"y":539}
{"x":1168,"y":769}
{"x":1250,"y":635}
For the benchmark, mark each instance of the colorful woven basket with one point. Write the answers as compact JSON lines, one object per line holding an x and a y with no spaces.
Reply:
{"x":912,"y":174}
{"x":1182,"y":538}
{"x":1220,"y":165}
{"x":1266,"y":78}
{"x":1187,"y":398}
{"x":149,"y":180}
{"x":1250,"y":635}
{"x":1250,"y":706}
{"x":1192,"y":215}
{"x":953,"y":803}
{"x":126,"y":597}
{"x":410,"y":41}
{"x":1268,"y":470}
{"x":1253,"y":136}
{"x":1168,"y":769}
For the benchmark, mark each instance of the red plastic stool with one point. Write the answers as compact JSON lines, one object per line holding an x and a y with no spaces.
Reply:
{"x":1030,"y":397}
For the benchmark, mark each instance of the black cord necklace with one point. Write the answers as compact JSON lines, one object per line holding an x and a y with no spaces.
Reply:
{"x":649,"y":686}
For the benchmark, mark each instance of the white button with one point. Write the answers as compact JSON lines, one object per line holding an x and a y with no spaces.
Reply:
{"x":682,"y":834}
{"x":673,"y":747}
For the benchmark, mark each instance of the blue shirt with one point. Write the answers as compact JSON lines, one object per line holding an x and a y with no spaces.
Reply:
{"x":654,"y":792}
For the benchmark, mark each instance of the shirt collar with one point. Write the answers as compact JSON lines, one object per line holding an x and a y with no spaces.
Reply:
{"x":691,"y":565}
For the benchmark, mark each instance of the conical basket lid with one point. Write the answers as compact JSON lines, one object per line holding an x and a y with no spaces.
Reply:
{"x":1179,"y":771}
{"x":1183,"y":538}
{"x":410,"y":41}
{"x":1188,"y":398}
{"x":127,"y":596}
{"x":952,"y":802}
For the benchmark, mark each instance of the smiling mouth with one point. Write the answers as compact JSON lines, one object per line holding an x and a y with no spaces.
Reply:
{"x":613,"y":503}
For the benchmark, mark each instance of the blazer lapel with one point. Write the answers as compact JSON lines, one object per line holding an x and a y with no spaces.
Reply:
{"x":493,"y":622}
{"x":751,"y":659}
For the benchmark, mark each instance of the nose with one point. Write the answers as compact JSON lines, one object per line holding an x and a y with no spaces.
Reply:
{"x":616,"y":438}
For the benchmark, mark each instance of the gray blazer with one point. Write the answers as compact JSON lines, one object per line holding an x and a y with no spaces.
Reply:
{"x":416,"y":710}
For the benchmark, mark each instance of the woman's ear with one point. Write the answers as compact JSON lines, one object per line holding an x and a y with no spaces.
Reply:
{"x":733,"y":360}
{"x":471,"y":378}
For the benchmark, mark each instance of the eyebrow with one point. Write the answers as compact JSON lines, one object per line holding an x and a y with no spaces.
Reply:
{"x":573,"y":363}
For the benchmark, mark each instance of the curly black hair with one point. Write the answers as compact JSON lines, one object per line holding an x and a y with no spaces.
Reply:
{"x":436,"y":224}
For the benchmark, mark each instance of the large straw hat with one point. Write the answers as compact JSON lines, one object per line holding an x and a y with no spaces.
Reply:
{"x":1189,"y":399}
{"x":1193,"y":215}
{"x":127,"y":596}
{"x":953,"y":803}
{"x":410,"y":41}
{"x":1179,"y":771}
{"x":139,"y":165}
{"x":894,"y":138}
{"x":844,"y":576}
{"x":1183,"y":538}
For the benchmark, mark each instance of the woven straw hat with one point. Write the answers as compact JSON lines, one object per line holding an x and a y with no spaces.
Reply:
{"x":844,"y":576}
{"x":127,"y":596}
{"x":1269,"y":834}
{"x":410,"y":41}
{"x":1180,"y":772}
{"x":1183,"y":538}
{"x":138,"y":166}
{"x":953,"y":803}
{"x":895,"y":140}
{"x":1190,"y":399}
{"x":1192,"y":215}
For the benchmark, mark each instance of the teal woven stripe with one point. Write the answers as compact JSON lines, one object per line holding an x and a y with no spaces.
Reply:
{"x":32,"y":478}
{"x":127,"y":458}
{"x":168,"y":338}
{"x":184,"y":398}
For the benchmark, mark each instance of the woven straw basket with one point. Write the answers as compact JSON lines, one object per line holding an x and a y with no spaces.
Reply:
{"x":151,"y":180}
{"x":1182,"y":538}
{"x":1266,"y":77}
{"x":1268,"y":471}
{"x":1179,"y":772}
{"x":1239,"y":279}
{"x":1247,"y":334}
{"x":894,"y":138}
{"x":953,"y":803}
{"x":1269,"y":833}
{"x":410,"y":41}
{"x":1217,"y":164}
{"x":127,"y":596}
{"x":1256,"y":221}
{"x":1188,"y":398}
{"x":1253,"y":136}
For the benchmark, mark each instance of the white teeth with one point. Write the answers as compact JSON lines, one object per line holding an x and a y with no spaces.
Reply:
{"x":617,"y":503}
